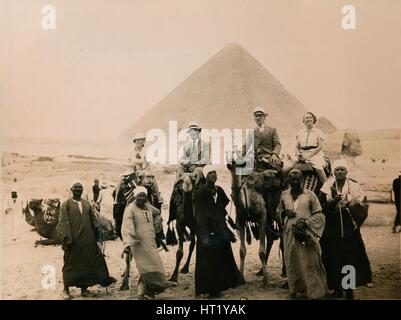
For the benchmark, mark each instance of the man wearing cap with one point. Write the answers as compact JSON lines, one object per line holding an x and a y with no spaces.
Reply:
{"x":195,"y":154}
{"x":84,"y":264}
{"x":265,"y":144}
{"x":342,"y":243}
{"x":303,"y":222}
{"x":140,"y":224}
{"x":138,"y":158}
{"x":140,"y":164}
{"x":97,"y":193}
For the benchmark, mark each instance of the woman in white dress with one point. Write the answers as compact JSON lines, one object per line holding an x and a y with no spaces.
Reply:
{"x":309,"y":147}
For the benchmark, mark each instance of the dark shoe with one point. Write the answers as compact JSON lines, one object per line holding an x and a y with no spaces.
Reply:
{"x":216,"y":295}
{"x":285,"y":285}
{"x":337,"y":294}
{"x":349,"y":294}
{"x":87,"y":294}
{"x":112,"y":280}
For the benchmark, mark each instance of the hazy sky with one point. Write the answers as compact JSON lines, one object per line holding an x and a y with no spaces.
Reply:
{"x":108,"y":62}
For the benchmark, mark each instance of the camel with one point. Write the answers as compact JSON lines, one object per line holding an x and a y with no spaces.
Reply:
{"x":182,"y":209}
{"x":252,"y":209}
{"x":44,"y":219}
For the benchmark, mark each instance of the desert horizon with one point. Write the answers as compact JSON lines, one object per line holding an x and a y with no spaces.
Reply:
{"x":101,"y":95}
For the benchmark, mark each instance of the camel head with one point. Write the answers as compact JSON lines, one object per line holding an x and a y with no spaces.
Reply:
{"x":270,"y":178}
{"x":234,"y":158}
{"x":187,"y":182}
{"x":35,"y":205}
{"x":51,"y":210}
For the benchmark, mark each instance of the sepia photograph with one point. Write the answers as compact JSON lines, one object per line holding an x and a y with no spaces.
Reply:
{"x":224,"y":150}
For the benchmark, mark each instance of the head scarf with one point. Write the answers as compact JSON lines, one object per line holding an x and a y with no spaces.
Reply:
{"x":139,"y":190}
{"x":76,"y":181}
{"x":209,"y":168}
{"x":295,"y":171}
{"x":340,"y":163}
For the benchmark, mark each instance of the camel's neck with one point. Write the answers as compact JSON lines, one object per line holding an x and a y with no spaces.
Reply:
{"x":27,"y":212}
{"x":37,"y":212}
{"x":235,"y":182}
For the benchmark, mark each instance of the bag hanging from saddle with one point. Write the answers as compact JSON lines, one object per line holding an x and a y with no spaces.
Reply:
{"x":359,"y":212}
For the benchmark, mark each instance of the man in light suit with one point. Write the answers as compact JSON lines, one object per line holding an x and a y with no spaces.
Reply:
{"x":195,"y":154}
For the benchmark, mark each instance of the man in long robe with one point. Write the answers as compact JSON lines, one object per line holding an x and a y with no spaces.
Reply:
{"x":140,"y":224}
{"x":342,"y":243}
{"x":84,"y":264}
{"x":305,"y":270}
{"x":215,"y":269}
{"x":13,"y":213}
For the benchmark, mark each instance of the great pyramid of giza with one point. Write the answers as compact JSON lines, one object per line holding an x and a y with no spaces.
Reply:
{"x":222,"y":94}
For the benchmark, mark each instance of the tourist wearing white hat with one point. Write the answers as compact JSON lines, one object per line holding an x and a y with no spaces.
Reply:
{"x":341,"y":242}
{"x":140,"y":224}
{"x":195,"y":153}
{"x":138,"y":158}
{"x":140,"y":164}
{"x":309,"y":147}
{"x":265,"y":145}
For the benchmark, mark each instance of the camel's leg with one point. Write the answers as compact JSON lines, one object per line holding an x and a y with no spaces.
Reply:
{"x":125,"y":283}
{"x":242,"y":249}
{"x":185,"y":268}
{"x":262,"y":249}
{"x":47,"y":242}
{"x":179,"y":255}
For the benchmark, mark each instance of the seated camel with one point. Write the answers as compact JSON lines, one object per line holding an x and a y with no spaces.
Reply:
{"x":44,"y":219}
{"x":46,"y":216}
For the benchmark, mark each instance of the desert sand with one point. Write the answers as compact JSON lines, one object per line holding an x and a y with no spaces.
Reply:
{"x":22,"y":263}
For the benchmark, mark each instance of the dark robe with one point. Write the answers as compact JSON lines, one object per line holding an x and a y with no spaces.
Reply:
{"x":215,"y":268}
{"x":96,"y":191}
{"x":397,"y":201}
{"x":84,"y":264}
{"x":338,"y":252}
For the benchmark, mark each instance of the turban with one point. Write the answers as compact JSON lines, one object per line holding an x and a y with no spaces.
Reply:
{"x":209,"y":168}
{"x":340,"y":163}
{"x":139,"y":190}
{"x":76,"y":181}
{"x":295,"y":171}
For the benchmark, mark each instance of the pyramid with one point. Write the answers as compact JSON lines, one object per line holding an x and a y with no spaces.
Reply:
{"x":222,"y":94}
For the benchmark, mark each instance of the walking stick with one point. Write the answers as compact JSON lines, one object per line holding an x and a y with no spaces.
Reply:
{"x":341,"y":216}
